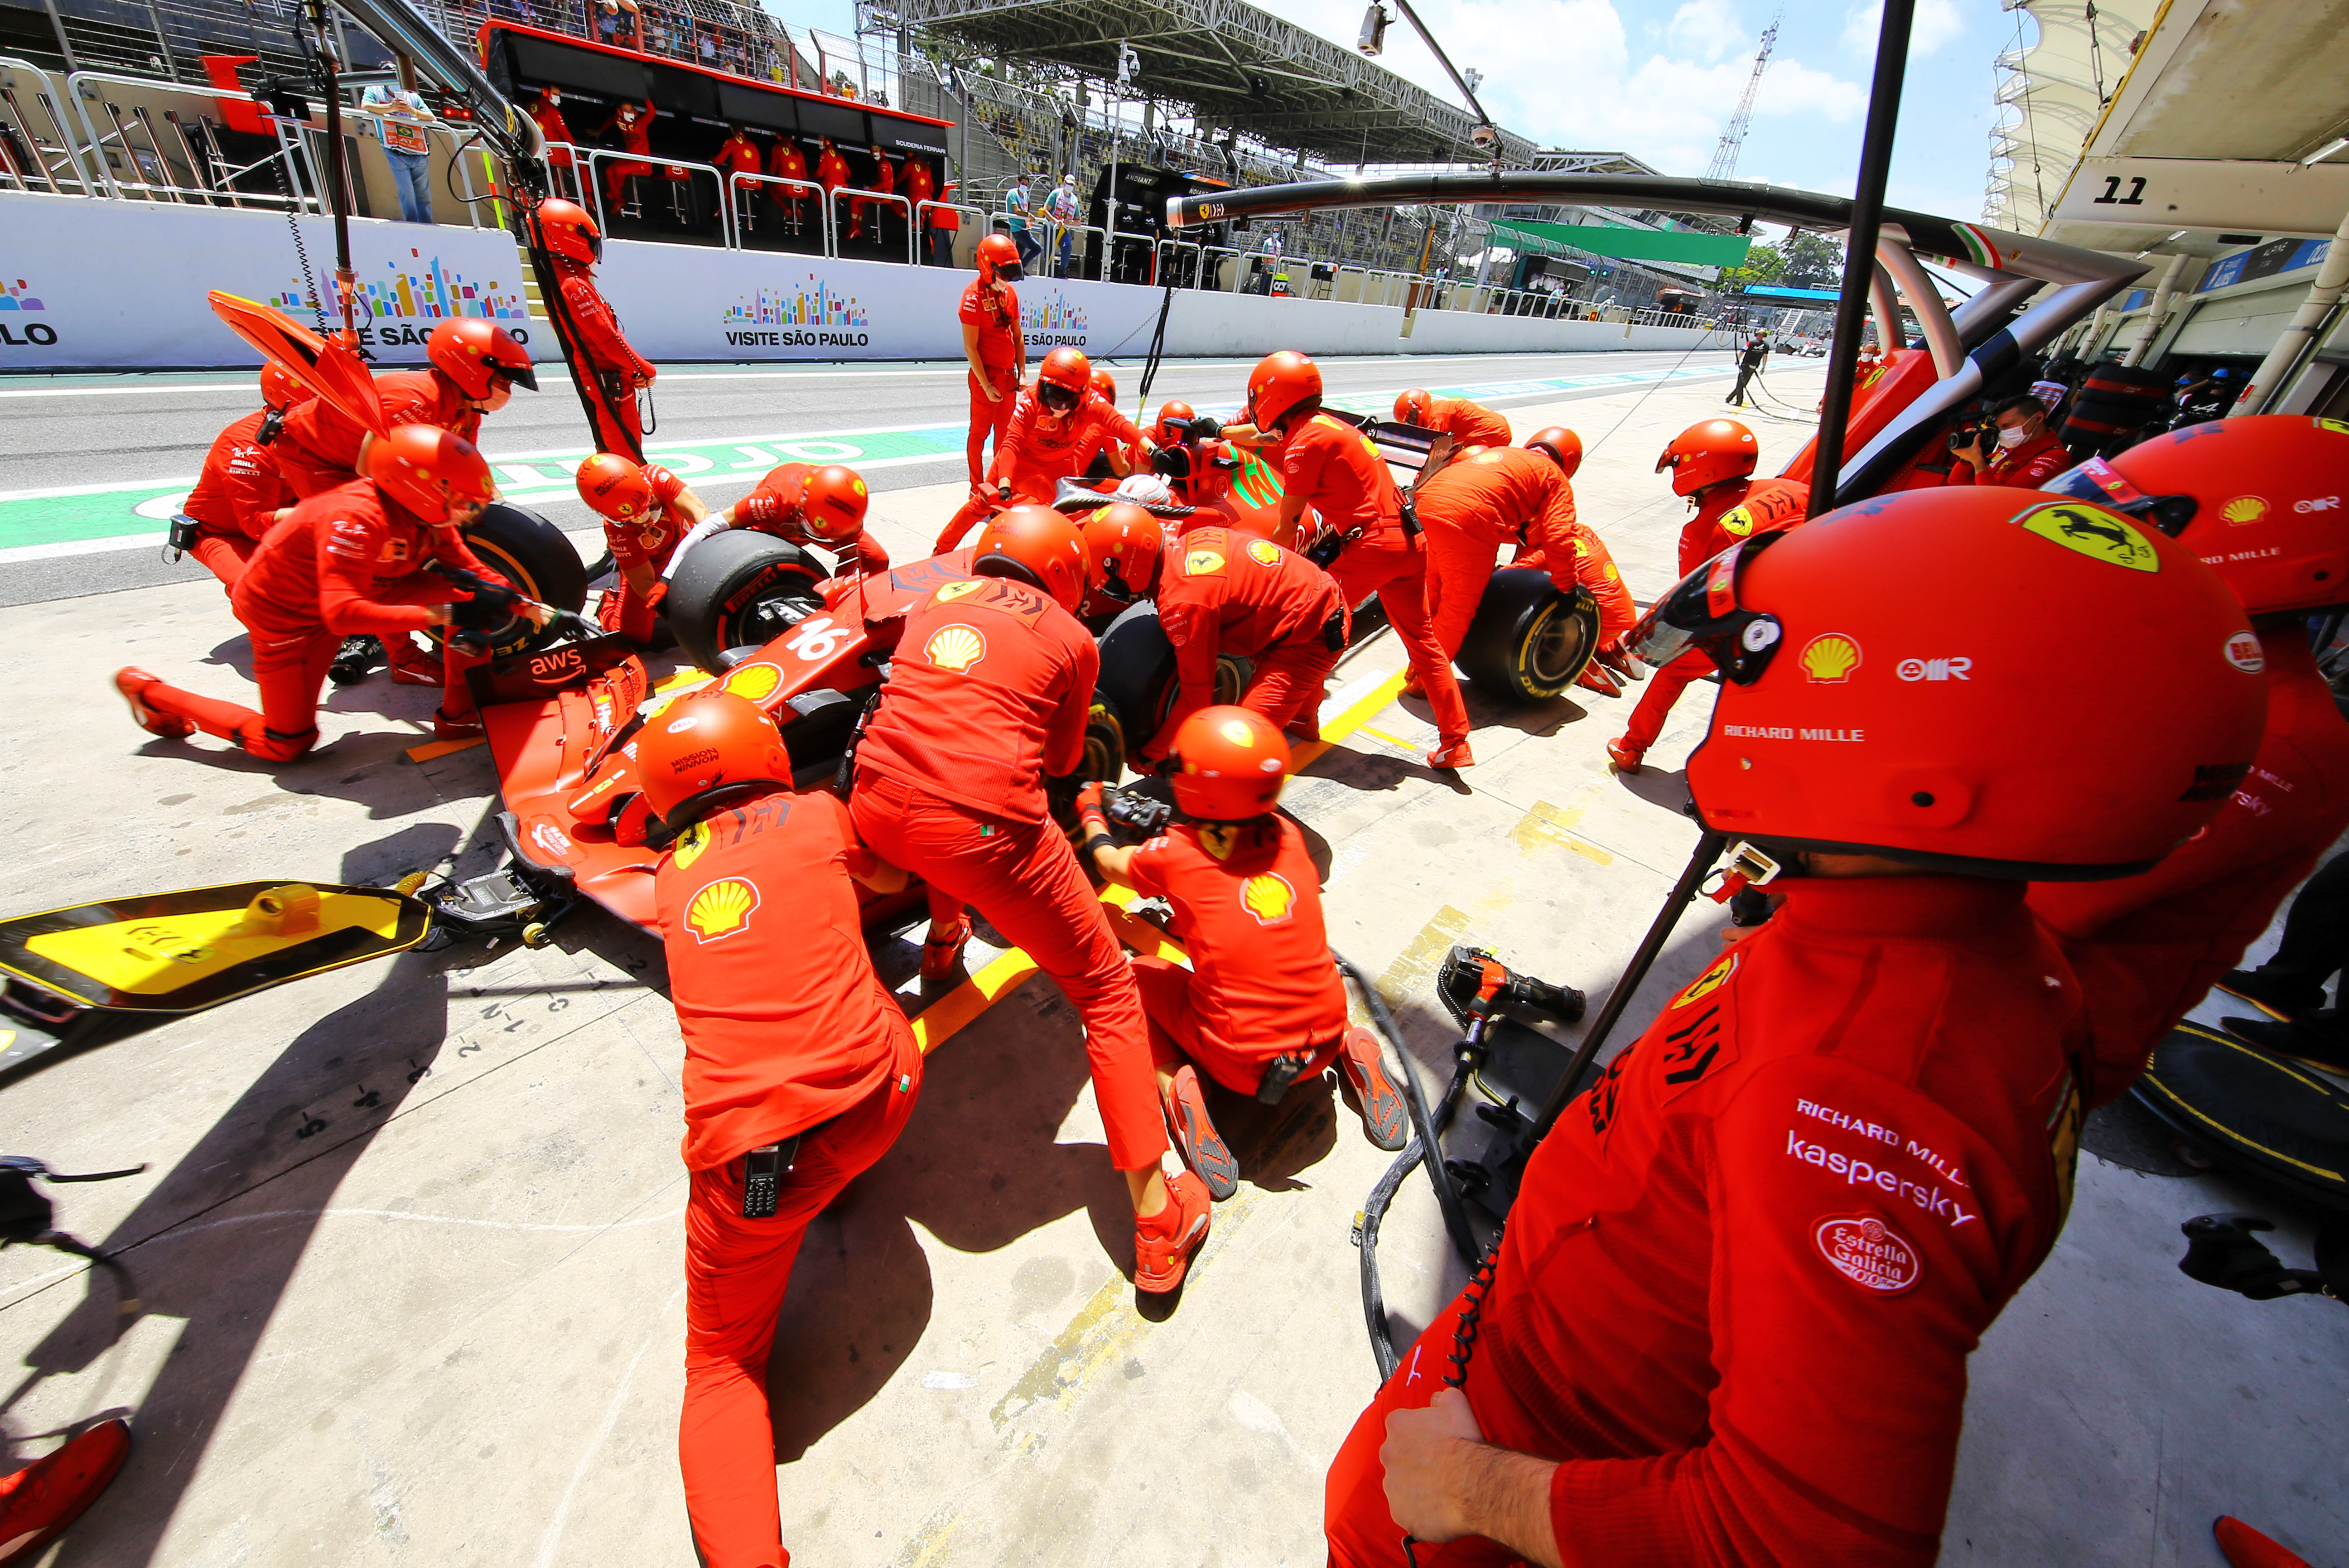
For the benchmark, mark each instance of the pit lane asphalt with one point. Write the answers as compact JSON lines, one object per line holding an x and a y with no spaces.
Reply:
{"x":122,"y":429}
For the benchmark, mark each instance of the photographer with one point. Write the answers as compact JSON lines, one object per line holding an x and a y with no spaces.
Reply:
{"x":2025,"y":455}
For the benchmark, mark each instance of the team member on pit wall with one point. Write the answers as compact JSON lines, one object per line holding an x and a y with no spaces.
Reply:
{"x":1730,"y":1319}
{"x":1057,"y":426}
{"x":1711,"y":463}
{"x":803,"y":504}
{"x":2148,"y":947}
{"x":1520,"y":497}
{"x":1261,"y":1006}
{"x":1333,"y":468}
{"x":1467,"y":423}
{"x":992,"y":687}
{"x":740,"y":156}
{"x":2028,"y":454}
{"x":1221,"y":591}
{"x":788,"y":162}
{"x":570,"y":236}
{"x":547,"y":109}
{"x":634,"y":124}
{"x":473,"y":367}
{"x":799,"y":1072}
{"x":996,"y":346}
{"x":646,"y":512}
{"x":350,"y":561}
{"x":240,"y":495}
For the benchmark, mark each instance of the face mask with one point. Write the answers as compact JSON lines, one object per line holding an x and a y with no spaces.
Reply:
{"x":554,"y":98}
{"x":2011,"y":439}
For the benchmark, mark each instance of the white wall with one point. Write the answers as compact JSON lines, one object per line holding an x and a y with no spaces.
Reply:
{"x":121,"y":284}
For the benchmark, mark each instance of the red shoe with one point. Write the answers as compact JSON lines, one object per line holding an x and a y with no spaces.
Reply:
{"x":1452,"y":757}
{"x":1385,"y":1120}
{"x":1622,"y":759}
{"x":942,"y":950}
{"x":1594,"y":678}
{"x":1163,"y":1242}
{"x":38,"y":1501}
{"x":468,"y":728}
{"x":132,"y":682}
{"x":412,"y":666}
{"x":1196,"y":1138}
{"x":1411,"y":686}
{"x":2247,"y":1548}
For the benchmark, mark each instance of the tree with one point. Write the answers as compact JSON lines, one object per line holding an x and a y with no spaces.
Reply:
{"x":1762,"y":264}
{"x":1812,"y":261}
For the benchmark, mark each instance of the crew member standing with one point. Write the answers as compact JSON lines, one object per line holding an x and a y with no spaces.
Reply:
{"x":1261,"y":1007}
{"x":240,"y":495}
{"x":569,"y":235}
{"x":646,"y":510}
{"x":806,"y":505}
{"x":991,"y":688}
{"x":788,"y":162}
{"x":1057,"y":428}
{"x":472,"y":368}
{"x":2148,"y":947}
{"x":799,"y":1072}
{"x":1712,"y":464}
{"x":1467,"y":423}
{"x":1730,"y":1319}
{"x":1335,"y":469}
{"x":1520,"y":497}
{"x":2027,"y":456}
{"x":921,"y":187}
{"x":996,"y":347}
{"x":350,"y":561}
{"x":1750,"y":360}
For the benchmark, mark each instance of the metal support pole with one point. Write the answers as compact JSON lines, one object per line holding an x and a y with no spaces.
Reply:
{"x":1859,"y":248}
{"x":64,"y":46}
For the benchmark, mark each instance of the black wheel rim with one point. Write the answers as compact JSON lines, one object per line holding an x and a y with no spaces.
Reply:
{"x":1555,"y":647}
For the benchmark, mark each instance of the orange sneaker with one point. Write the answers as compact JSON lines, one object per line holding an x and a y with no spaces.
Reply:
{"x":1452,"y":757}
{"x":1411,"y":686}
{"x":1622,"y":759}
{"x":1164,"y":1241}
{"x":1196,"y":1138}
{"x":38,"y":1501}
{"x":1386,"y":1121}
{"x":942,"y":950}
{"x":1595,"y":678}
{"x":413,"y":666}
{"x":465,"y":728}
{"x":132,"y":682}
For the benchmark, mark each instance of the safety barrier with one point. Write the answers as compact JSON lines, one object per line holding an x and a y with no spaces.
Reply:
{"x":810,"y":192}
{"x":856,"y":195}
{"x":660,"y":167}
{"x":975,"y":230}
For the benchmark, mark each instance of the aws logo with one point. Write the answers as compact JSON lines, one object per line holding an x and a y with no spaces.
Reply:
{"x":954,"y":648}
{"x":723,"y":909}
{"x":1268,"y":898}
{"x":2093,"y":531}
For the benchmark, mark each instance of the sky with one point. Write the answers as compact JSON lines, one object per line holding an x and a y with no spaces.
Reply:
{"x":1660,"y":79}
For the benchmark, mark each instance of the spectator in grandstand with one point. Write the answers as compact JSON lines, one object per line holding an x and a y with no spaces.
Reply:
{"x":609,"y":24}
{"x":1062,"y":209}
{"x":400,"y":117}
{"x":1016,"y":212}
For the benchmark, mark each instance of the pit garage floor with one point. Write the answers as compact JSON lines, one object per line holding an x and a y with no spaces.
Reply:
{"x":408,"y":1240}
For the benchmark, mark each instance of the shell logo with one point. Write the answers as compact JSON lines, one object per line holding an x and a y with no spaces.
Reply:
{"x":1264,"y":552}
{"x":1199,"y":562}
{"x":2244,"y":509}
{"x":723,"y":909}
{"x":1268,"y":898}
{"x":1830,"y":658}
{"x":752,"y":682}
{"x":1737,"y":522}
{"x":954,"y":648}
{"x":953,"y":591}
{"x":1237,"y":734}
{"x":856,"y":485}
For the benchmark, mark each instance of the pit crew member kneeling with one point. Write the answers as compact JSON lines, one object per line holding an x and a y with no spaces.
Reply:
{"x":1057,"y":428}
{"x":802,"y":505}
{"x":348,"y":562}
{"x":799,"y":1072}
{"x":646,"y":510}
{"x":1261,"y":1007}
{"x":1730,"y":1317}
{"x":240,"y":495}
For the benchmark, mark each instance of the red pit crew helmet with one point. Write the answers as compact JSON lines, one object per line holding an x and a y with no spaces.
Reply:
{"x":1708,"y":453}
{"x":1281,"y":385}
{"x":434,"y":473}
{"x":1036,"y":546}
{"x":477,"y":355}
{"x":704,"y":750}
{"x":567,"y":229}
{"x":1229,"y":764}
{"x":1558,"y":444}
{"x":1126,"y":546}
{"x":614,"y":487}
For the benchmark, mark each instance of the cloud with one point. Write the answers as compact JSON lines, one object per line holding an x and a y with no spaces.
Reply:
{"x":1708,"y":28}
{"x":1937,"y":22}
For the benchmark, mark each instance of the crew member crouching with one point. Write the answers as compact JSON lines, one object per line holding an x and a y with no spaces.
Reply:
{"x":804,"y":505}
{"x":1261,"y":1007}
{"x":349,"y":562}
{"x":799,"y":1072}
{"x":1467,"y":423}
{"x":1730,"y":1317}
{"x":240,"y":495}
{"x":646,"y":510}
{"x":1057,"y":427}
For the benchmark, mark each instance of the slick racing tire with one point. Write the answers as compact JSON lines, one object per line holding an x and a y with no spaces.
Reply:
{"x":532,"y":554}
{"x":739,"y":589}
{"x":1528,"y":639}
{"x":1137,"y":683}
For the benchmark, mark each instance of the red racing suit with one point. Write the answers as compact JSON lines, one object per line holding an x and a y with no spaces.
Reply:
{"x":996,"y":313}
{"x":1337,"y":470}
{"x":1507,"y":495}
{"x":318,"y":449}
{"x":2148,"y":947}
{"x":346,"y":562}
{"x":1744,"y":1271}
{"x":1037,"y":451}
{"x":1260,"y":984}
{"x":647,"y":542}
{"x":788,"y":1033}
{"x":2026,"y":467}
{"x":236,"y":498}
{"x":1467,"y":423}
{"x":636,"y":137}
{"x":788,"y":162}
{"x":1726,"y":513}
{"x":990,"y":689}
{"x":775,"y":508}
{"x":611,"y":363}
{"x":739,"y":155}
{"x":1221,"y":591}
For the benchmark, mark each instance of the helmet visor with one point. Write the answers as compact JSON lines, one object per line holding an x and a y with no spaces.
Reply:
{"x":1702,"y":612}
{"x":1010,"y":272}
{"x":2099,"y":480}
{"x":1057,"y":398}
